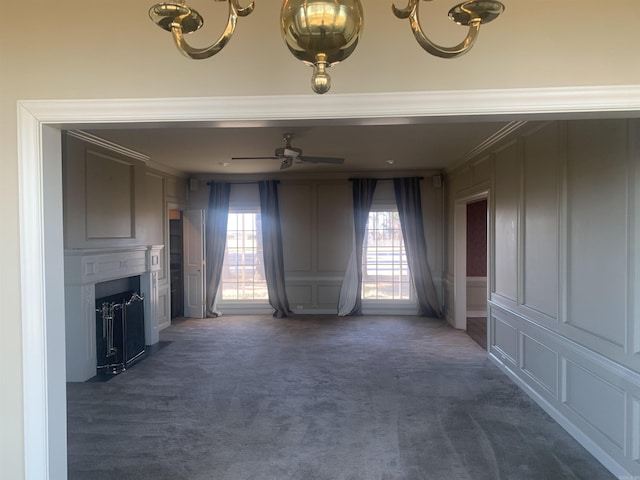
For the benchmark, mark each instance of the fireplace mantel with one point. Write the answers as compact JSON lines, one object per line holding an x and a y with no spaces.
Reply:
{"x":84,"y":268}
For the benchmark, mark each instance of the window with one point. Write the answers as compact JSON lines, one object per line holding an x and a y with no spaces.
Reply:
{"x":243,"y":276}
{"x":385,"y":273}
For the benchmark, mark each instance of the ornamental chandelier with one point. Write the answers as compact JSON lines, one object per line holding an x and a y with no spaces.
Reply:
{"x":321,"y":33}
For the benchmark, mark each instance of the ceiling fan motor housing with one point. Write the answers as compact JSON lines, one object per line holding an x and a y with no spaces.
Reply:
{"x":288,"y":152}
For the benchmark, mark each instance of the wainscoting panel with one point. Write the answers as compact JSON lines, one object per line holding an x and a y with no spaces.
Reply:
{"x":328,"y":295}
{"x":541,"y":220}
{"x":504,"y":338}
{"x":597,"y":257}
{"x":163,"y":311}
{"x":300,"y":295}
{"x":507,"y":192}
{"x":564,"y":308}
{"x":540,"y":363}
{"x":595,"y":400}
{"x":476,"y":296}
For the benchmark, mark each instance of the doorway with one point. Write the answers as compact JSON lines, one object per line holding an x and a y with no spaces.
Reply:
{"x":176,"y":264}
{"x":477,"y":271}
{"x":40,"y":210}
{"x":471,"y":266}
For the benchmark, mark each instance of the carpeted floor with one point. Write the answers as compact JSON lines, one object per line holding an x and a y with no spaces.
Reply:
{"x":477,"y":330}
{"x":316,"y":398}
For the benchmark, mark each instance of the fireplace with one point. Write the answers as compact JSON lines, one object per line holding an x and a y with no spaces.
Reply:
{"x":120,"y":339}
{"x":126,"y":277}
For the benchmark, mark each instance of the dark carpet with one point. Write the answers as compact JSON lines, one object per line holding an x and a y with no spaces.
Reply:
{"x":477,"y":330}
{"x":316,"y":398}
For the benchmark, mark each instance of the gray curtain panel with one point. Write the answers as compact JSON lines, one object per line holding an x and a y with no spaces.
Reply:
{"x":272,"y":247}
{"x":409,"y":202}
{"x":215,"y":241}
{"x":350,"y":302}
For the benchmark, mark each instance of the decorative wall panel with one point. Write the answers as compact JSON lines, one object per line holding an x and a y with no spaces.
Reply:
{"x":542,"y":165}
{"x":597,"y":228}
{"x":155,"y":203}
{"x":482,"y":170}
{"x":109,"y":197}
{"x":335,"y":226}
{"x":328,"y":295}
{"x":299,"y":295}
{"x":540,"y":363}
{"x":507,"y":191}
{"x":599,"y":403}
{"x":504,"y":338}
{"x":163,"y":311}
{"x":297,"y":226}
{"x":564,"y":305}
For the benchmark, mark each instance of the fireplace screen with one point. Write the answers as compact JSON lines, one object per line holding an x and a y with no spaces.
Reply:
{"x":119,"y":331}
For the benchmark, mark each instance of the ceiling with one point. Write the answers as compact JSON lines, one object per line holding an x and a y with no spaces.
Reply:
{"x":206,"y":151}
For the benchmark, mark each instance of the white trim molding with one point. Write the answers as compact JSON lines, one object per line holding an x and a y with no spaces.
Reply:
{"x":373,"y":108}
{"x":380,"y":108}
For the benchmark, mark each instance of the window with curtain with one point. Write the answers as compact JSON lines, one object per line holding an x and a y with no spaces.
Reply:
{"x":385,"y":273}
{"x":243,"y":277}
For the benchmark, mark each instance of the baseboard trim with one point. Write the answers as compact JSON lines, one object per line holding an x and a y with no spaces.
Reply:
{"x":593,"y":448}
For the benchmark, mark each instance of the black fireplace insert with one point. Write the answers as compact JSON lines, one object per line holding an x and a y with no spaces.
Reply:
{"x":119,"y":331}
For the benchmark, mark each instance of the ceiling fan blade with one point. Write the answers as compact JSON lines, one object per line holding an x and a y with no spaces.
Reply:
{"x":334,"y":160}
{"x":286,"y":163}
{"x":256,"y":158}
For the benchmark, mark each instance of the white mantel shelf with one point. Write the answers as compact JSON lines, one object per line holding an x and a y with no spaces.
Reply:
{"x":84,"y":268}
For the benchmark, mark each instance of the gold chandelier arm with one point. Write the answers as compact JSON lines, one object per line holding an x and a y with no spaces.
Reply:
{"x":235,"y":11}
{"x":411,"y":12}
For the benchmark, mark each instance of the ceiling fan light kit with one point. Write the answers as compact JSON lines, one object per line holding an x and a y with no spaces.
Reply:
{"x":288,"y":155}
{"x":321,"y":33}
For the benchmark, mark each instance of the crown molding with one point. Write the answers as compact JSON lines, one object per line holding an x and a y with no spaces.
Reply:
{"x":127,"y":152}
{"x":506,"y":132}
{"x":373,"y":108}
{"x":106,"y":144}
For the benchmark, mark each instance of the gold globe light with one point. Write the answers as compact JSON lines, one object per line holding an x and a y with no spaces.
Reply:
{"x":321,"y":33}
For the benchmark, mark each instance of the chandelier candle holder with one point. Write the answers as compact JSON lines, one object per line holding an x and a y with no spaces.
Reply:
{"x":321,"y":33}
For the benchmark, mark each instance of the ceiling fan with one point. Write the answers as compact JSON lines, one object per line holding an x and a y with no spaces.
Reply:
{"x":288,"y":154}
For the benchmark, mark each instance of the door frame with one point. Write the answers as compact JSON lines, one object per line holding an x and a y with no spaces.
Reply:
{"x":39,"y":126}
{"x":460,"y":252}
{"x":168,"y":207}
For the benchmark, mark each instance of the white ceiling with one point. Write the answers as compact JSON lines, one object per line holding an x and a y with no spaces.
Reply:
{"x":197,"y":150}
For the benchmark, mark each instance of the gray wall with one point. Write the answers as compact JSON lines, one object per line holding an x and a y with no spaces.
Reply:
{"x":563,"y":297}
{"x":317,"y":222}
{"x":114,"y":198}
